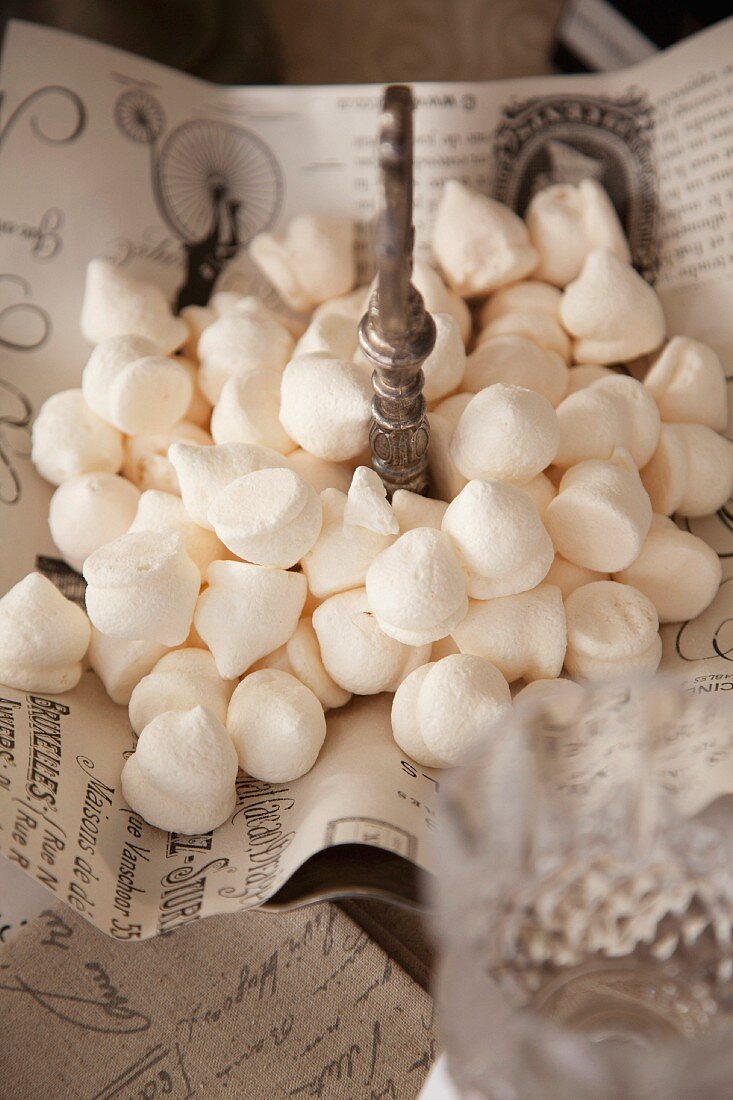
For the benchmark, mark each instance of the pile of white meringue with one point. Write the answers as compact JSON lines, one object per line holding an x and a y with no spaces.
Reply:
{"x":245,"y":571}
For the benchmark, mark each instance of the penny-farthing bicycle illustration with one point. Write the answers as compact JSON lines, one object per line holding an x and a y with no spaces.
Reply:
{"x":215,"y":184}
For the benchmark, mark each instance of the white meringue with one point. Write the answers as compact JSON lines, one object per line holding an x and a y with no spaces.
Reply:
{"x":613,"y":630}
{"x":248,"y":411}
{"x":499,"y":537}
{"x":43,"y":637}
{"x":238,"y":343}
{"x":411,"y":510}
{"x":313,"y":261}
{"x":439,"y":298}
{"x":146,"y":462}
{"x":566,"y":222}
{"x":443,"y":713}
{"x":539,"y":328}
{"x":121,"y":663}
{"x":506,"y":433}
{"x":139,"y":395}
{"x":331,"y":335}
{"x":202,"y":472}
{"x":194,"y":639}
{"x":196,"y":318}
{"x":326,"y":406}
{"x":528,"y":296}
{"x":367,"y":505}
{"x":142,"y":586}
{"x":586,"y":375}
{"x":613,"y":412}
{"x":198,"y":411}
{"x":611,"y":311}
{"x":166,"y":512}
{"x":277,"y":726}
{"x":107,"y":360}
{"x":341,"y":556}
{"x":516,"y":361}
{"x":443,"y":369}
{"x":561,"y":698}
{"x":69,"y":439}
{"x":181,"y":776}
{"x":319,"y":472}
{"x":223,"y":302}
{"x":311,"y":603}
{"x":662,"y":523}
{"x":568,"y":576}
{"x":601,"y":515}
{"x":231,"y":301}
{"x":353,"y":305}
{"x":688,"y":383}
{"x":523,"y":635}
{"x":277,"y":659}
{"x":540,"y":491}
{"x":88,"y":510}
{"x":479,"y":243}
{"x":416,"y":588}
{"x":226,"y":302}
{"x":356,"y":652}
{"x":460,"y":699}
{"x":642,"y":415}
{"x":443,"y":648}
{"x":452,"y":408}
{"x":181,"y":680}
{"x":117,"y":305}
{"x":709,"y":470}
{"x":593,"y":423}
{"x":677,"y":571}
{"x":247,"y":611}
{"x":269,"y":517}
{"x":302,"y":655}
{"x":666,"y":475}
{"x":447,"y":480}
{"x":405,"y":726}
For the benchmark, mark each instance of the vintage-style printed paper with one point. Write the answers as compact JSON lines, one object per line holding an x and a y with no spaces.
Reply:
{"x":106,"y":154}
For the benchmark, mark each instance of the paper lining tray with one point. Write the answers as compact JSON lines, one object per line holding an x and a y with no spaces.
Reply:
{"x":79,"y":180}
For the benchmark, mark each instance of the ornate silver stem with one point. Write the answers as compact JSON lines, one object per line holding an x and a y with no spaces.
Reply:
{"x":397,"y":333}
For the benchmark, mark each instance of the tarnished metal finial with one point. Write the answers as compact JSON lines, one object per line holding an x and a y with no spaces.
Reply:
{"x":397,"y":333}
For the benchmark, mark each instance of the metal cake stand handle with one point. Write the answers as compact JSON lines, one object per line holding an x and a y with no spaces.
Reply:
{"x":397,"y":333}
